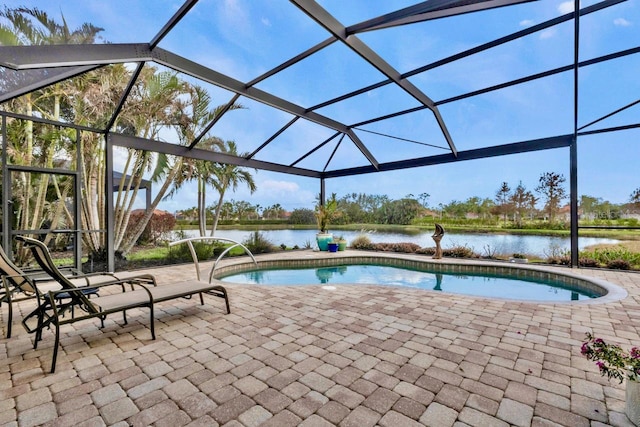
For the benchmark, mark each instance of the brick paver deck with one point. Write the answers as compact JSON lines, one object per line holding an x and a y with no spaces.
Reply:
{"x":351,"y":356}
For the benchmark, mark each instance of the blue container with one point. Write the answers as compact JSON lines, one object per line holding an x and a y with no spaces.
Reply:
{"x":323,"y":240}
{"x":333,"y":247}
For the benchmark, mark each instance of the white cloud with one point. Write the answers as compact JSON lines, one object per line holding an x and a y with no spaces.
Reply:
{"x":266,"y":22}
{"x":547,"y":34}
{"x":526,"y":23}
{"x":289,"y":193}
{"x":233,"y":6}
{"x":621,"y":22}
{"x":279,"y":186}
{"x":566,"y":7}
{"x":236,"y":16}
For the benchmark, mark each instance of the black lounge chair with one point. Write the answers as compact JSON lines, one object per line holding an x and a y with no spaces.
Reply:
{"x":20,"y":285}
{"x":51,"y":311}
{"x":54,"y":306}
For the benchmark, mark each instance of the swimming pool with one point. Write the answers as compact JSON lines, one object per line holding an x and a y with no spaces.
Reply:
{"x":481,"y":279}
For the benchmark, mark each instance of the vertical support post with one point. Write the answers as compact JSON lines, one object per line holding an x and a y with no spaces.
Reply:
{"x":573,"y":196}
{"x":322,"y":192}
{"x":6,"y":182}
{"x":147,"y":191}
{"x":109,"y":209}
{"x":573,"y":149}
{"x":77,"y":208}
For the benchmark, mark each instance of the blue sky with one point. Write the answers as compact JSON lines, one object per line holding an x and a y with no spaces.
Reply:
{"x":245,"y":38}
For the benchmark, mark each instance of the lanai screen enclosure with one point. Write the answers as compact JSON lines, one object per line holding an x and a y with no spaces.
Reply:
{"x":338,"y":86}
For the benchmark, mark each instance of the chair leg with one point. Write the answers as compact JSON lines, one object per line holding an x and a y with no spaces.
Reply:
{"x":201,"y":299}
{"x":55,"y":347}
{"x":152,"y":324}
{"x":39,"y":329}
{"x":10,"y":319}
{"x":226,"y":300}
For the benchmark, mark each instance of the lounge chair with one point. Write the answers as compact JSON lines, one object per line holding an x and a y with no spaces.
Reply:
{"x":51,"y":312}
{"x":19,"y":285}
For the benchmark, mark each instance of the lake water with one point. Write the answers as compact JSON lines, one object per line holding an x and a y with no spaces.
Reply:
{"x":506,"y":244}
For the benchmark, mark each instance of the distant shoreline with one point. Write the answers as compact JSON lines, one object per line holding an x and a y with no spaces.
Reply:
{"x":626,"y":236}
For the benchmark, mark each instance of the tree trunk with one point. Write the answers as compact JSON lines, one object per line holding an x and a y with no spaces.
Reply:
{"x":202,"y":208}
{"x":117,"y":220}
{"x":91,"y":202}
{"x":217,"y":215}
{"x":139,"y":228}
{"x":136,"y":180}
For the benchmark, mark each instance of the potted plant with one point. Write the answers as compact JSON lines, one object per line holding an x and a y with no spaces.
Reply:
{"x":342,"y":243}
{"x":614,"y":362}
{"x":325,"y":213}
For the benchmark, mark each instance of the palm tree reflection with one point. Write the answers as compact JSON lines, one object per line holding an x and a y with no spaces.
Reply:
{"x":438,"y":286}
{"x":324,"y":274}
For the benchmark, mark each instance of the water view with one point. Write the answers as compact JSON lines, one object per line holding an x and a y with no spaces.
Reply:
{"x":506,"y":244}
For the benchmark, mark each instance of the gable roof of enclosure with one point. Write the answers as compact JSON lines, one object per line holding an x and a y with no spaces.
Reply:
{"x":328,"y":142}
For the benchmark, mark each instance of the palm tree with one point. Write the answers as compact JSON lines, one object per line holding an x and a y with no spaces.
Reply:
{"x":94,"y":96}
{"x":23,"y":26}
{"x":35,"y":27}
{"x":228,"y":176}
{"x":502,"y":197}
{"x":193,"y":115}
{"x":152,"y":106}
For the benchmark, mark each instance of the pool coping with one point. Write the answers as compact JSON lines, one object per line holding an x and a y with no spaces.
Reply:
{"x":309,"y":258}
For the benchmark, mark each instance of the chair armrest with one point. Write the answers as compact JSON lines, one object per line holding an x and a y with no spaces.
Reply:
{"x":97,"y":273}
{"x":26,"y":277}
{"x":148,"y":279}
{"x":98,"y":286}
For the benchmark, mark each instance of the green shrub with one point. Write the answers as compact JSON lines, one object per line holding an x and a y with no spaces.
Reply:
{"x":588,"y":262}
{"x":258,"y":244}
{"x":426,"y":251}
{"x":559,"y":260}
{"x":459,"y":252}
{"x":619,"y":264}
{"x":616,"y":253}
{"x":362,"y":242}
{"x":302,"y":216}
{"x":204,"y":251}
{"x":407,"y":248}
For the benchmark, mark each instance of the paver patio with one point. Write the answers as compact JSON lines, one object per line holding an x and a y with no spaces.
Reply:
{"x":352,"y":356}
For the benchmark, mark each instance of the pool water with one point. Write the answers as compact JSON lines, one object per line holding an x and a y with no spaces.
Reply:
{"x":459,"y":283}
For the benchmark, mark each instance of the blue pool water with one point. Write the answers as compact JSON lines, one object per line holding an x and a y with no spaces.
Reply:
{"x":459,"y":283}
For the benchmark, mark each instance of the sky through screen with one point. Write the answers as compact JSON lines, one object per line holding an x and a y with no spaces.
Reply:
{"x":244,"y":39}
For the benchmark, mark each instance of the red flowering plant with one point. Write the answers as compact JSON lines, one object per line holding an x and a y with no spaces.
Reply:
{"x":612,"y":360}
